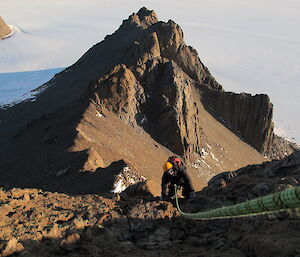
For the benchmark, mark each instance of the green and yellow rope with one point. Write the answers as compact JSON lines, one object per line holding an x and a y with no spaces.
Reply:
{"x":281,"y":201}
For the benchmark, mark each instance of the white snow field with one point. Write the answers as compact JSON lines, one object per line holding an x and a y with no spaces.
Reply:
{"x":16,"y":86}
{"x":249,"y":46}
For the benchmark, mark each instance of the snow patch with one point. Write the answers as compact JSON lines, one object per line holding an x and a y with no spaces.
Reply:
{"x":282,"y":130}
{"x":222,"y":120}
{"x":125,"y":179}
{"x":28,"y":97}
{"x":98,"y":114}
{"x":196,"y":165}
{"x":119,"y":186}
{"x":213,"y":156}
{"x":219,"y":146}
{"x":204,"y":152}
{"x":144,"y":119}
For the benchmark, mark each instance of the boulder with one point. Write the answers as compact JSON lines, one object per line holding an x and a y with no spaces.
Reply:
{"x":141,"y":189}
{"x":13,"y":246}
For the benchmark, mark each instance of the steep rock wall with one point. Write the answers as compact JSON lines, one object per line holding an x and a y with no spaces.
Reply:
{"x":172,"y":111}
{"x":250,"y":117}
{"x":173,"y":48}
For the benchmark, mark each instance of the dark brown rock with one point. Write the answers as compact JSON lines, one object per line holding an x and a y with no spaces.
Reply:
{"x":147,"y":227}
{"x":250,"y":117}
{"x":70,"y":242}
{"x":261,"y":189}
{"x":160,"y":235}
{"x":281,"y":147}
{"x":140,"y":189}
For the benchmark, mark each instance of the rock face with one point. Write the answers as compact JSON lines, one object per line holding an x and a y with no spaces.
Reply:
{"x":282,"y":147}
{"x":5,"y":30}
{"x":250,"y":117}
{"x":281,"y":173}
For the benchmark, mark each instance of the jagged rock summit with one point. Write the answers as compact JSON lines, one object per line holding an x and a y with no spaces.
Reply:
{"x":5,"y":30}
{"x":128,"y":103}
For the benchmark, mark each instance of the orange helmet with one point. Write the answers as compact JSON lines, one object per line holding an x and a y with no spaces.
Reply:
{"x":167,"y":166}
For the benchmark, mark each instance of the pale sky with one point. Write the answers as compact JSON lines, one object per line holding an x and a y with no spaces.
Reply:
{"x":249,"y":46}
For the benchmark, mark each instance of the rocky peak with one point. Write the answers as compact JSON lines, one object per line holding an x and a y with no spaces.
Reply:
{"x":5,"y":30}
{"x":144,"y":18}
{"x":172,"y":47}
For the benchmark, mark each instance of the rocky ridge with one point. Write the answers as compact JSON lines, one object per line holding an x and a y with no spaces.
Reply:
{"x":238,"y":111}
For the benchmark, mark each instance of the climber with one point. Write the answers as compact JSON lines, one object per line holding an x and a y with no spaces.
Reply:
{"x":175,"y":174}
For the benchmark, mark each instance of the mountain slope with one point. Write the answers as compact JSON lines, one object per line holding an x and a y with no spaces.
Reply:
{"x":150,"y":87}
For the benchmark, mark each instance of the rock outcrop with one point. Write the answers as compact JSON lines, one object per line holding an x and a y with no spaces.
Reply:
{"x":282,"y":147}
{"x":5,"y":30}
{"x":135,"y":222}
{"x":249,"y":117}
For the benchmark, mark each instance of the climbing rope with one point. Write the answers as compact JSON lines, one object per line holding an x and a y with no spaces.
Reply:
{"x":281,"y":201}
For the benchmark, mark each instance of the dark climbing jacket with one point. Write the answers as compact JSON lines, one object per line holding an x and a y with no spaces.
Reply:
{"x":176,"y":175}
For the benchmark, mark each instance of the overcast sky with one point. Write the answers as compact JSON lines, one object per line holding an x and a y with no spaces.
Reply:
{"x":249,"y":46}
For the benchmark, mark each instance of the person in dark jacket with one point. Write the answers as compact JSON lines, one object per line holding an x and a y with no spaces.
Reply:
{"x":175,"y":174}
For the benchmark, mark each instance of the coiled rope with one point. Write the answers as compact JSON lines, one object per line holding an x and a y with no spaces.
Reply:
{"x":272,"y":203}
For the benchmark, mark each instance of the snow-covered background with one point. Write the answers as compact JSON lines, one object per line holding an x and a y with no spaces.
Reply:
{"x":249,"y":46}
{"x":15,"y":85}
